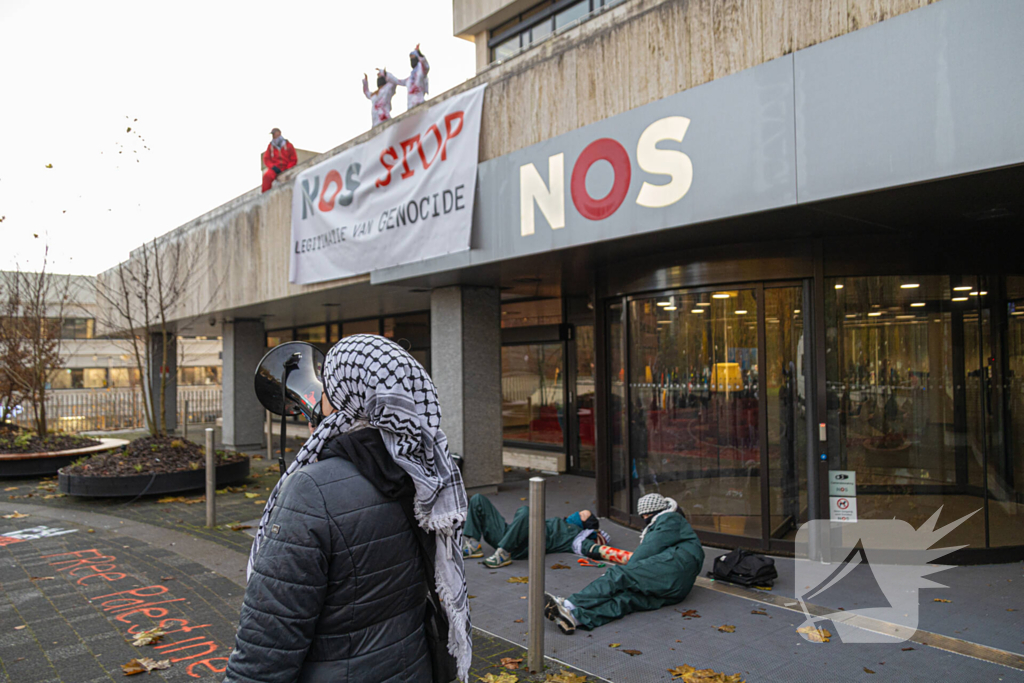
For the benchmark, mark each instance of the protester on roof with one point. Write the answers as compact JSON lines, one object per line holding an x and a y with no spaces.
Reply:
{"x":575,"y":533}
{"x":417,"y":84}
{"x":380,"y":99}
{"x":660,"y":572}
{"x":279,"y":157}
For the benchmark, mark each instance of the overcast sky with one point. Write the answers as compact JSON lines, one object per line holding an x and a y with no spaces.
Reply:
{"x":200,"y":84}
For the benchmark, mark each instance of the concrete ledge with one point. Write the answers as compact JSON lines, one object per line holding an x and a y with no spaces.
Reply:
{"x":104,"y":445}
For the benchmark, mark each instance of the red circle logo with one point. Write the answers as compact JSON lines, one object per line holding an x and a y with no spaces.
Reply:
{"x":615,"y":154}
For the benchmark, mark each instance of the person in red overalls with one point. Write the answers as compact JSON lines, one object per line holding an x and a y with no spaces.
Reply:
{"x":279,"y":157}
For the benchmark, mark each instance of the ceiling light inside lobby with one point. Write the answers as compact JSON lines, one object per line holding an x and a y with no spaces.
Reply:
{"x":909,"y":285}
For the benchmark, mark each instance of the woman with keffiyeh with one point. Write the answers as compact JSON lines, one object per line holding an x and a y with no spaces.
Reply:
{"x":660,"y":572}
{"x":338,"y":584}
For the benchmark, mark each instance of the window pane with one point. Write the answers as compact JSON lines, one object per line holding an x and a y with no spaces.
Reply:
{"x":531,"y":393}
{"x":693,"y":427}
{"x":906,"y":397}
{"x":278,"y":337}
{"x":411,"y":331}
{"x":539,"y":31}
{"x":585,"y":395}
{"x":94,"y":378}
{"x":371,"y":326}
{"x":313,"y":334}
{"x":507,"y":49}
{"x":1006,"y":507}
{"x":617,"y":407}
{"x":530,"y":313}
{"x":787,"y":426}
{"x":572,"y":13}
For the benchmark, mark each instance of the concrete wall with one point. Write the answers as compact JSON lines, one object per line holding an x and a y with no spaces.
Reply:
{"x":636,"y":53}
{"x":470,"y":17}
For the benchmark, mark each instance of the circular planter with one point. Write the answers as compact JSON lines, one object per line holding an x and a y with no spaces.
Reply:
{"x":36,"y":464}
{"x":172,"y":482}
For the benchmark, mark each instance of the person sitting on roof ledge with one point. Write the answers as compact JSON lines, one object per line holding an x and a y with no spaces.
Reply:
{"x":279,"y":157}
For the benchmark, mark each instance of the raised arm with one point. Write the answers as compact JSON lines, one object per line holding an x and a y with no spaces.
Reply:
{"x":366,"y":88}
{"x":286,"y":590}
{"x":423,"y":60}
{"x":395,"y":80}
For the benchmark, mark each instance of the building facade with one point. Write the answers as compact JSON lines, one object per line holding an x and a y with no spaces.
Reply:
{"x":755,"y":256}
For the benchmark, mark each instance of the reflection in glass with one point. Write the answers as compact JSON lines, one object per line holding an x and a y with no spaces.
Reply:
{"x":905,"y":397}
{"x":585,"y":396}
{"x":617,"y":416}
{"x":785,"y":396}
{"x":531,"y":393}
{"x":693,"y":414}
{"x":1006,"y":470}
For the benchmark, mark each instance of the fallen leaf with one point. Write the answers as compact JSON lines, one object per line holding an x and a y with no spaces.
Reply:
{"x":18,"y":628}
{"x":41,"y":578}
{"x":759,"y":612}
{"x":503,"y":677}
{"x":510,"y":663}
{"x":633,"y":653}
{"x":518,"y":621}
{"x":251,"y":495}
{"x":167,"y":578}
{"x":144,"y":665}
{"x":564,"y":676}
{"x":14,"y":515}
{"x":470,"y":597}
{"x":763,"y":588}
{"x":689,"y":674}
{"x":150,"y":637}
{"x":815,"y":634}
{"x":12,"y":488}
{"x":49,"y":166}
{"x":614,"y":644}
{"x":868,"y":671}
{"x":906,"y":649}
{"x":689,"y":614}
{"x":522,"y":499}
{"x":90,"y":531}
{"x":519,"y":579}
{"x":942,"y":600}
{"x":727,"y":629}
{"x":172,"y":499}
{"x":261,"y":501}
{"x":240,"y":527}
{"x":559,"y":565}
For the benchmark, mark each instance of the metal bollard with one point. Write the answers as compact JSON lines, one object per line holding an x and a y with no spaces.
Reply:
{"x":535,"y":592}
{"x":184,"y":422}
{"x":211,"y":480}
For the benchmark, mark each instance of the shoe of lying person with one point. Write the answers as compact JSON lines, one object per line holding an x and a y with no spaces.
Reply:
{"x":556,"y":611}
{"x":471,"y":549}
{"x":500,"y":558}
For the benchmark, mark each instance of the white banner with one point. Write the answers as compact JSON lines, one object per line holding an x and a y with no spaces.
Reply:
{"x":404,"y":196}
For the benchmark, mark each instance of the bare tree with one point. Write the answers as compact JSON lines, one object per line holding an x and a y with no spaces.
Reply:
{"x":13,"y":350}
{"x":143,"y":296}
{"x":38,"y":302}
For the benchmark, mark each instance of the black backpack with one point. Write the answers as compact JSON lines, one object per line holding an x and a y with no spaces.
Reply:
{"x":744,"y":568}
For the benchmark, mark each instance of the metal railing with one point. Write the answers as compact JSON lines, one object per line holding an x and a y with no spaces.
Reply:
{"x":117,"y":409}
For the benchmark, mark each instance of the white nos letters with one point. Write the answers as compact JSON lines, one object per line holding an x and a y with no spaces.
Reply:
{"x":670,"y":162}
{"x":550,"y":197}
{"x":550,"y":200}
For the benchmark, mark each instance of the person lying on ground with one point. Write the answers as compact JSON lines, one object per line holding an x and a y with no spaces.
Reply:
{"x":575,"y":533}
{"x":660,"y":572}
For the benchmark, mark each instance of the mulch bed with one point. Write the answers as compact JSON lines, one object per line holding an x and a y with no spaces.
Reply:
{"x":13,"y":440}
{"x":148,"y":455}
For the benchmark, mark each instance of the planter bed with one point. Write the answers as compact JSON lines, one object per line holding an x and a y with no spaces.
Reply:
{"x":159,"y":483}
{"x":37,"y":464}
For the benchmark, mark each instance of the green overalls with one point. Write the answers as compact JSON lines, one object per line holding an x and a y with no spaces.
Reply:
{"x":661,"y":572}
{"x":484,"y":522}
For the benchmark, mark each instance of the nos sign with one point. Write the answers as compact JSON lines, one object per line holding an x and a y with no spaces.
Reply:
{"x":669,"y":176}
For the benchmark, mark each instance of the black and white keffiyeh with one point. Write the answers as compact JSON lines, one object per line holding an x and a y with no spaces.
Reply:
{"x":654,"y":504}
{"x":372,"y":381}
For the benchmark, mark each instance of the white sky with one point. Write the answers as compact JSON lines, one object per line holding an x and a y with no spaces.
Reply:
{"x":206,"y":82}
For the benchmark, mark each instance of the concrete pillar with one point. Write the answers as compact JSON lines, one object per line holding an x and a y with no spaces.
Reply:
{"x":170,"y":368}
{"x":465,"y":357}
{"x":243,"y":415}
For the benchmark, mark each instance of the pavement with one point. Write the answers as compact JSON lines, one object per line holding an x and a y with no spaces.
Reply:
{"x":75,"y":572}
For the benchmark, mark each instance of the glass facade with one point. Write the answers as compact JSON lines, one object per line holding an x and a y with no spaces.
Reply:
{"x":532,"y":393}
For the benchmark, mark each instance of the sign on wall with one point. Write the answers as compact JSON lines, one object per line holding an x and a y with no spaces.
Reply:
{"x":404,"y":196}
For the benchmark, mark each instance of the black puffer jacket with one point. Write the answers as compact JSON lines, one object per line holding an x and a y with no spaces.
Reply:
{"x":337,"y":593}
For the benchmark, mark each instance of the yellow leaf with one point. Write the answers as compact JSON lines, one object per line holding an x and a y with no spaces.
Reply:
{"x":815,"y":634}
{"x":14,"y":515}
{"x":689,"y":674}
{"x":510,"y":663}
{"x":49,"y":166}
{"x":251,"y":495}
{"x":261,"y":501}
{"x":11,"y":488}
{"x":150,"y":637}
{"x":564,"y":676}
{"x":519,"y":579}
{"x":942,"y":600}
{"x":727,"y":629}
{"x":615,"y":645}
{"x":172,"y":499}
{"x":503,"y":677}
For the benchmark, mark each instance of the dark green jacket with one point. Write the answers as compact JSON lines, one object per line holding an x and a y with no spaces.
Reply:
{"x":672,"y":544}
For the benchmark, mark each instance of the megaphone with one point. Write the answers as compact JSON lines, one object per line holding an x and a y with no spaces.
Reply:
{"x":289,"y":382}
